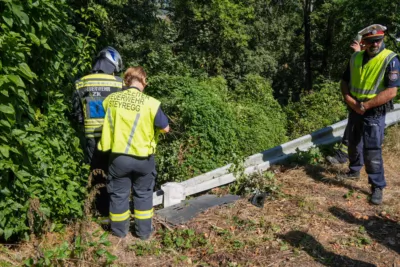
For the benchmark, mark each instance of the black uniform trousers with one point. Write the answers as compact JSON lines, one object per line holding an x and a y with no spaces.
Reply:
{"x":94,"y":157}
{"x":98,"y":160}
{"x":128,"y":173}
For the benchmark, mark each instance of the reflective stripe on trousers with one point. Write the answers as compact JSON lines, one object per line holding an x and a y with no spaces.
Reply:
{"x":119,"y":217}
{"x":126,"y":173}
{"x":143,"y":214}
{"x":343,"y":148}
{"x":93,"y":127}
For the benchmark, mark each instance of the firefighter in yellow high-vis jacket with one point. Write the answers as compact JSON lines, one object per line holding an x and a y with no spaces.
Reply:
{"x":87,"y":102}
{"x":132,"y":123}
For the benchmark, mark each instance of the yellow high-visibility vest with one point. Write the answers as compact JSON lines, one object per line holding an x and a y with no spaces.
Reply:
{"x":367,"y":81}
{"x":129,"y":123}
{"x":92,"y":90}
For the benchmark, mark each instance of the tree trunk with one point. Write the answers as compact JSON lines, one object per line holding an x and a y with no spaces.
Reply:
{"x":307,"y":8}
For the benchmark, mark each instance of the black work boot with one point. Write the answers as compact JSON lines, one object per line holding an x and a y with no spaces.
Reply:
{"x":377,"y":194}
{"x":348,"y":176}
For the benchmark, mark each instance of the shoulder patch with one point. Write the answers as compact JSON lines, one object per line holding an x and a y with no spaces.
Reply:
{"x":393,"y":76}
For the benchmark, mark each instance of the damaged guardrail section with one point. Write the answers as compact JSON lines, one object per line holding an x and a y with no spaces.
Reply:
{"x":173,"y":193}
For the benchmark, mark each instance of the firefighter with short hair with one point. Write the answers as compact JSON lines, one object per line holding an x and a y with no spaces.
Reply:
{"x":131,"y":128}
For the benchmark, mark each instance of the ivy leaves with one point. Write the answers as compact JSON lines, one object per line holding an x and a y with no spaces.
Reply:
{"x":7,"y":109}
{"x":40,"y":157}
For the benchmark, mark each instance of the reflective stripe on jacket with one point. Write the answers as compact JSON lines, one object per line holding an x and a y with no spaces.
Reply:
{"x":367,"y":81}
{"x":129,"y":124}
{"x":92,"y":90}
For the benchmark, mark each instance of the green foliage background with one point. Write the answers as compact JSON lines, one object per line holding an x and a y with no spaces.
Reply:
{"x":315,"y":110}
{"x":230,"y":75}
{"x":40,"y":154}
{"x":210,"y":127}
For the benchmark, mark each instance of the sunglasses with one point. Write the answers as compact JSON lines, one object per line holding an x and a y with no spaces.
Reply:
{"x":366,"y":41}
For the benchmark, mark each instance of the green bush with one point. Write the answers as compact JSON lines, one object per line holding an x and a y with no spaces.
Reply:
{"x":203,"y":133}
{"x":42,"y":180}
{"x":209,"y":127}
{"x":322,"y":107}
{"x":260,"y":119}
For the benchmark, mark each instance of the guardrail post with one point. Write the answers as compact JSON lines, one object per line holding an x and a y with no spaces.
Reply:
{"x":174,"y":193}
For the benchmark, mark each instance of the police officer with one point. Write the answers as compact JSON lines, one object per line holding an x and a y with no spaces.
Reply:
{"x":87,"y":101}
{"x":368,"y":86}
{"x":131,"y":128}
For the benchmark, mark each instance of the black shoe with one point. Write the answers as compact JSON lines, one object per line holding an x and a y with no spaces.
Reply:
{"x":348,"y":176}
{"x":377,"y":194}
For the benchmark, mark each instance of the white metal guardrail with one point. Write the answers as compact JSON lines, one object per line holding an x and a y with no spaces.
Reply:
{"x":173,"y":193}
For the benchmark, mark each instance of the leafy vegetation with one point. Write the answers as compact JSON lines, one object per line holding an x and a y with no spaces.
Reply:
{"x":209,"y":130}
{"x":312,"y":156}
{"x":315,"y":110}
{"x":257,"y":183}
{"x":233,"y":76}
{"x":183,"y":239}
{"x":79,"y":250}
{"x":42,"y":176}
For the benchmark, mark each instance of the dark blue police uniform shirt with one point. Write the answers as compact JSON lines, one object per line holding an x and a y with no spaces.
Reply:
{"x":392,"y":73}
{"x":161,"y":120}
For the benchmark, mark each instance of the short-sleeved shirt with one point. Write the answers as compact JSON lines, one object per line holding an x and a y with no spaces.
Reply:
{"x":392,"y":72}
{"x":160,"y":120}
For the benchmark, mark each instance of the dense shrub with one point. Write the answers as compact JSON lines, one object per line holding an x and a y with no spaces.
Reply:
{"x":260,"y":119}
{"x":203,"y":133}
{"x":322,"y":107}
{"x":209,"y":129}
{"x":42,"y":180}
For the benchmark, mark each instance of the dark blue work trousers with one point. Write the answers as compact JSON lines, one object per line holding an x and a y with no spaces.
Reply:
{"x":128,"y":173}
{"x":365,"y":135}
{"x":342,"y":154}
